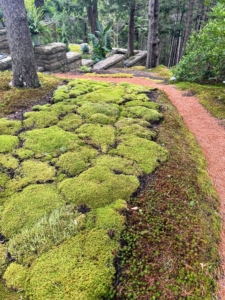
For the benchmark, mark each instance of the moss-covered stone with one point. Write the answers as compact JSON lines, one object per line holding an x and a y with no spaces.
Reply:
{"x":23,"y":153}
{"x":98,"y":187}
{"x":118,"y":164}
{"x":146,"y":153}
{"x":124,"y":122}
{"x":40,"y":119}
{"x":45,"y":107}
{"x":151,"y":105}
{"x":146,"y":114}
{"x":9,"y":126}
{"x":8,"y":143}
{"x":4,"y":179}
{"x":15,"y":276}
{"x":74,"y":163}
{"x":32,"y":171}
{"x":88,"y":109}
{"x":81,"y":268}
{"x":70,"y":122}
{"x":101,"y":136}
{"x":48,"y":231}
{"x":63,"y":108}
{"x":49,"y":140}
{"x":3,"y":256}
{"x":86,"y":83}
{"x":61,"y":94}
{"x":8,"y":161}
{"x":101,"y":119}
{"x":136,"y":129}
{"x":26,"y":207}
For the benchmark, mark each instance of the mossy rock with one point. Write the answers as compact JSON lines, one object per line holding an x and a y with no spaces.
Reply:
{"x":124,"y":122}
{"x":3,"y":256}
{"x":40,"y":119}
{"x":80,"y":268}
{"x":146,"y":154}
{"x":23,"y":153}
{"x":61,"y":94}
{"x":30,"y":243}
{"x":32,"y":171}
{"x":151,"y":105}
{"x":49,"y":140}
{"x":4,"y":179}
{"x":15,"y":276}
{"x":23,"y":209}
{"x":8,"y":161}
{"x":118,"y":164}
{"x":9,"y":126}
{"x":91,"y":84}
{"x":133,"y":88}
{"x":98,"y":187}
{"x":142,"y":112}
{"x":45,"y":107}
{"x":101,"y":136}
{"x":63,"y":108}
{"x":8,"y":143}
{"x":101,"y":119}
{"x":89,"y":109}
{"x":136,"y":129}
{"x":109,"y":95}
{"x":70,"y":122}
{"x":136,"y":97}
{"x":74,"y":163}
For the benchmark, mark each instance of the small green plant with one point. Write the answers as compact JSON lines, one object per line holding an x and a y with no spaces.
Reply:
{"x":84,"y":48}
{"x":101,"y":41}
{"x":84,"y":69}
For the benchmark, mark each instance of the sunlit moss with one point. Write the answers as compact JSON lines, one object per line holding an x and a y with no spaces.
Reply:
{"x":40,"y":119}
{"x":15,"y":276}
{"x":151,"y":105}
{"x":8,"y":161}
{"x":3,"y":257}
{"x":9,"y":126}
{"x":61,"y":94}
{"x":70,"y":122}
{"x":8,"y":143}
{"x":23,"y":153}
{"x":146,"y":114}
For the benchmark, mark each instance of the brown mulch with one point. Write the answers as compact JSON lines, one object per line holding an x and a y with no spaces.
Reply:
{"x":209,"y":134}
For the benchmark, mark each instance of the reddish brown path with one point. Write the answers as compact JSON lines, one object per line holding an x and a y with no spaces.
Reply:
{"x":209,"y":134}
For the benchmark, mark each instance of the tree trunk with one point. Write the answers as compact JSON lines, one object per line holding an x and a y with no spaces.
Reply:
{"x":153,"y":40}
{"x":92,"y":13}
{"x":21,"y":50}
{"x":39,"y":3}
{"x":131,"y":29}
{"x":188,"y":26}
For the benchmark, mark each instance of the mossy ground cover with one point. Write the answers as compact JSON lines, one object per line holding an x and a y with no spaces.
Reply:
{"x":66,"y":171}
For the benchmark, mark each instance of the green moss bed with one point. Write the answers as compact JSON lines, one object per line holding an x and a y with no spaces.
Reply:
{"x":67,"y":171}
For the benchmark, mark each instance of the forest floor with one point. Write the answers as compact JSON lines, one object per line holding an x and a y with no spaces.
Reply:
{"x":207,"y":130}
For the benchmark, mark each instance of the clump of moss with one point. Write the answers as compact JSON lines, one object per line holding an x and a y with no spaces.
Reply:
{"x":9,"y":126}
{"x":70,"y":122}
{"x":23,"y":153}
{"x":118,"y":165}
{"x":15,"y":276}
{"x":124,"y":122}
{"x":97,"y":187}
{"x":23,"y":209}
{"x":3,"y":256}
{"x":4,"y":179}
{"x":146,"y":114}
{"x":90,"y":84}
{"x":40,"y":119}
{"x":101,"y":136}
{"x":151,"y":105}
{"x":48,"y":231}
{"x":136,"y":129}
{"x":8,"y":161}
{"x":32,"y":171}
{"x":49,"y":140}
{"x":62,"y":108}
{"x":72,"y":163}
{"x":8,"y":143}
{"x":61,"y":94}
{"x":80,"y":268}
{"x":146,"y":154}
{"x":162,"y":71}
{"x":88,"y":109}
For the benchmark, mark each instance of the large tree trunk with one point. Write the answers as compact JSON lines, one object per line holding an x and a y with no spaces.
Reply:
{"x":21,"y":50}
{"x":153,"y":40}
{"x":92,"y":13}
{"x":188,"y":26}
{"x":39,"y":3}
{"x":131,"y":29}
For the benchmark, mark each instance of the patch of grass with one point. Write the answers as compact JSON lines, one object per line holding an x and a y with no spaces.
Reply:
{"x":211,"y":96}
{"x":162,"y":71}
{"x":75,"y":48}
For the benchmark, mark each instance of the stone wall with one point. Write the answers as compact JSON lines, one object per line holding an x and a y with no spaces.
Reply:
{"x":4,"y":45}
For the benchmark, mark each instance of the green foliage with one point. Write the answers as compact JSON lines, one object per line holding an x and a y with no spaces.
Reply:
{"x":8,"y":143}
{"x":9,"y":126}
{"x":204,"y":59}
{"x":84,"y":48}
{"x":84,"y":69}
{"x":101,"y":41}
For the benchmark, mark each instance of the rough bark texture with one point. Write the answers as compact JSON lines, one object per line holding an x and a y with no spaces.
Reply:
{"x":131,"y":29}
{"x":153,"y":40}
{"x":22,"y":53}
{"x":92,"y":13}
{"x":188,"y":26}
{"x":39,"y":3}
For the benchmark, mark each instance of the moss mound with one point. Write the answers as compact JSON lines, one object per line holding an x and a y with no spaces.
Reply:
{"x":146,"y":104}
{"x":40,"y":119}
{"x":26,"y":207}
{"x":88,"y":109}
{"x":9,"y":126}
{"x":8,"y":161}
{"x":61,"y":94}
{"x":49,"y":140}
{"x":81,"y":268}
{"x":70,"y":122}
{"x":15,"y":276}
{"x":146,"y":114}
{"x":98,"y":187}
{"x":146,"y":154}
{"x":8,"y":143}
{"x":3,"y":256}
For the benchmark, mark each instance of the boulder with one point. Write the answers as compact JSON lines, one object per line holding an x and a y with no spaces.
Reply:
{"x":87,"y":62}
{"x":5,"y":63}
{"x":114,"y":61}
{"x":137,"y":60}
{"x":50,"y":48}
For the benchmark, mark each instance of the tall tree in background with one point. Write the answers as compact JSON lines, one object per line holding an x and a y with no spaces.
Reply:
{"x":153,"y":40}
{"x":92,"y":13}
{"x":131,"y":30}
{"x":188,"y":25}
{"x":21,"y":50}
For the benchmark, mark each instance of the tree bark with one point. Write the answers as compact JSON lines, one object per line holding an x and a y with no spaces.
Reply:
{"x":21,"y":50}
{"x":188,"y":26}
{"x":39,"y":3}
{"x":131,"y":29}
{"x":92,"y":13}
{"x":153,"y":40}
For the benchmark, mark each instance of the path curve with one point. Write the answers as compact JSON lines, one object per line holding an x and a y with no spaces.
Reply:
{"x":209,"y":134}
